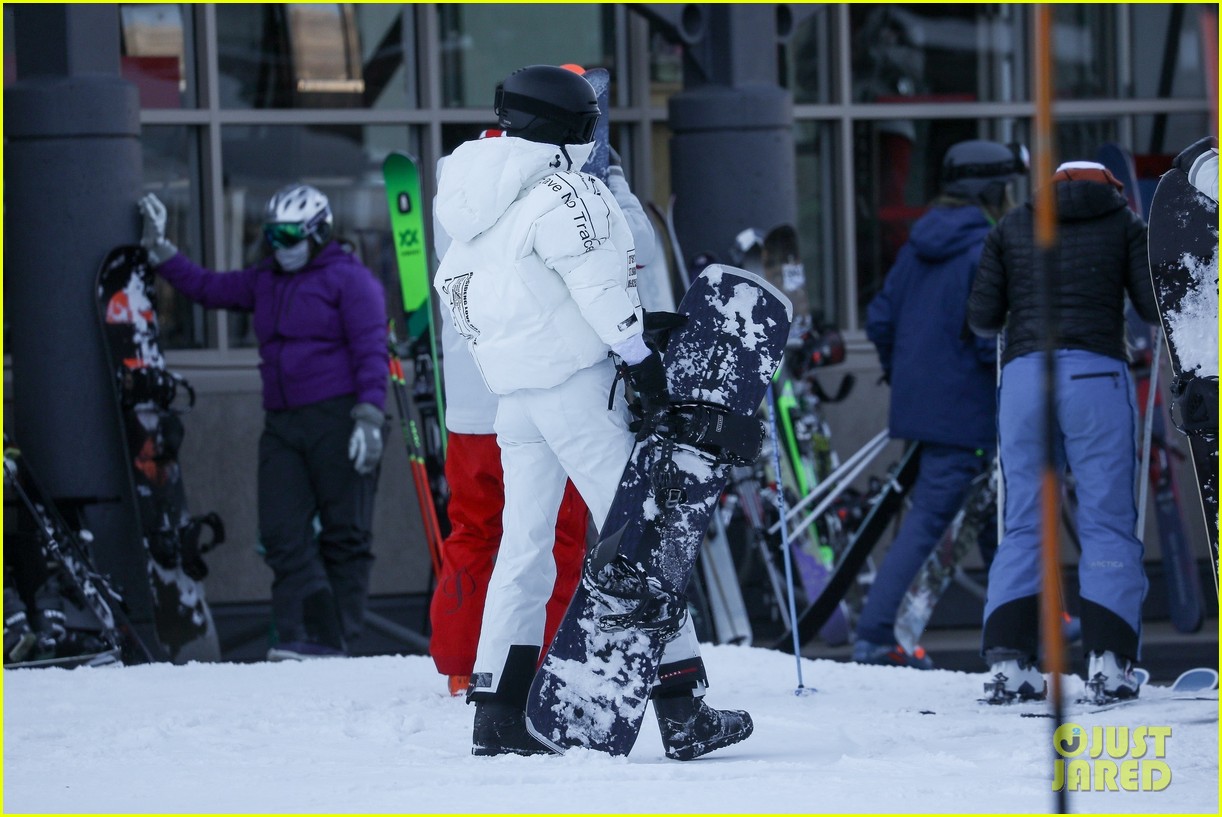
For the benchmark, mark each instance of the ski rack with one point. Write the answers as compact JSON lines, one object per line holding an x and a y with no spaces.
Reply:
{"x":882,"y":510}
{"x":96,"y":589}
{"x":836,"y":483}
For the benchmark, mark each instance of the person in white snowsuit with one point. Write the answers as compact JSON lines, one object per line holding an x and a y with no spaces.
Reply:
{"x":541,"y":282}
{"x":476,"y":481}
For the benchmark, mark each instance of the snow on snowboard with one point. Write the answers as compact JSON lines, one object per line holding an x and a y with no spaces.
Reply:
{"x":150,"y":399}
{"x":593,"y":687}
{"x":1183,"y":240}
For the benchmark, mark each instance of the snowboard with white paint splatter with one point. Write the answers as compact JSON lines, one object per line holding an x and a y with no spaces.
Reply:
{"x":593,"y":687}
{"x":1183,"y":242}
{"x":150,"y":398}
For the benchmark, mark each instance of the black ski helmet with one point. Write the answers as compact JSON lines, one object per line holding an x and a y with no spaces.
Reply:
{"x":980,"y":170}
{"x":547,"y":103}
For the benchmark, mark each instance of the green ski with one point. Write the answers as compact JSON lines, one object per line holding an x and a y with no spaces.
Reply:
{"x":402,"y":178}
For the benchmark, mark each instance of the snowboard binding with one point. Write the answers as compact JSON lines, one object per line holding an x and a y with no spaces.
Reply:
{"x":159,"y":387}
{"x":1194,"y":405}
{"x":181,"y":547}
{"x":640,"y":600}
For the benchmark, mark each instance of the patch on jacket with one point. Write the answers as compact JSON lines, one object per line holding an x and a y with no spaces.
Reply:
{"x":455,"y":290}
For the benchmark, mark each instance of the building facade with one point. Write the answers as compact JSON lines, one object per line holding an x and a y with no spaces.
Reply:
{"x":238,"y":99}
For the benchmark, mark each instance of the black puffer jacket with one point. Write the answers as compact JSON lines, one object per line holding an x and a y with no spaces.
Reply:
{"x":1101,"y":254}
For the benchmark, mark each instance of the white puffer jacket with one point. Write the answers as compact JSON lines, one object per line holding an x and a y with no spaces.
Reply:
{"x":541,"y":276}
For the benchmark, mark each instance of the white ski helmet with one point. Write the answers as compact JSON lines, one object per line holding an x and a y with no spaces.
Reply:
{"x":295,"y":213}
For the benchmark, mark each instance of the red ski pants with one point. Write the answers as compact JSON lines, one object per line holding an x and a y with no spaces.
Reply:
{"x":477,"y":497}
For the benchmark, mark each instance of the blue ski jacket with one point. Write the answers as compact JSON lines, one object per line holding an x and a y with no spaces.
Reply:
{"x":943,"y":383}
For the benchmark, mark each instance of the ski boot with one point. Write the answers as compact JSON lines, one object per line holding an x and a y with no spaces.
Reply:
{"x":500,"y":729}
{"x":1110,"y":678}
{"x":1014,"y":679}
{"x":891,"y":655}
{"x":458,"y":685}
{"x":19,"y":639}
{"x":303,"y":651}
{"x":691,"y":728}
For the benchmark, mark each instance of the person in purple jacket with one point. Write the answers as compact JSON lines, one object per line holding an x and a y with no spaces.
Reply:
{"x":320,"y":319}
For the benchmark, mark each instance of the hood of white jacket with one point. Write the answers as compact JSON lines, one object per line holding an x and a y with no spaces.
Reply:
{"x":483,"y":177}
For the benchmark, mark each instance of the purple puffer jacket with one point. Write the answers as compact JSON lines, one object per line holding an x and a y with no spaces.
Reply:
{"x":321,"y":330}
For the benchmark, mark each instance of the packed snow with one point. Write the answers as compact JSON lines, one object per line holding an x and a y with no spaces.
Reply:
{"x":381,"y":735}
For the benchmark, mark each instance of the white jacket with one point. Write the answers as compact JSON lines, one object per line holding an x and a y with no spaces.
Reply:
{"x":541,"y":276}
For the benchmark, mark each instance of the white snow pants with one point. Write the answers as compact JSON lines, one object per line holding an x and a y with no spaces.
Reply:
{"x":547,"y":435}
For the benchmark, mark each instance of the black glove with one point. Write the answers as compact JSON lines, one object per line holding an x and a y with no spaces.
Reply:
{"x":648,"y":379}
{"x":658,"y":326}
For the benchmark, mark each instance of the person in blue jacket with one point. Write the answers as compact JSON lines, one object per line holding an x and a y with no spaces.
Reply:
{"x":942,"y":377}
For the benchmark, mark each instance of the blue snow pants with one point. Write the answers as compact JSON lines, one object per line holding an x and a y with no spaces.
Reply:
{"x":1095,"y":437}
{"x":944,"y":475}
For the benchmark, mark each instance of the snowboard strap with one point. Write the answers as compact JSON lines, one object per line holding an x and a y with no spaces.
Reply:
{"x":156,"y":386}
{"x":731,"y":438}
{"x":1194,"y":405}
{"x":640,"y":600}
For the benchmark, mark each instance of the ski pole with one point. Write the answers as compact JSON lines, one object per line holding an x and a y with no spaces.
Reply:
{"x":780,"y":505}
{"x":1147,"y":436}
{"x":833,"y":480}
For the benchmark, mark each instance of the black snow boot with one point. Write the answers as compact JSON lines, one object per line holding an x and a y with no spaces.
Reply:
{"x":500,"y":729}
{"x":691,"y":728}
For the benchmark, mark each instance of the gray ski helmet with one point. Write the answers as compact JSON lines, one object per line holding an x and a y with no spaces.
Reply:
{"x":547,"y":103}
{"x":297,"y":212}
{"x":980,"y":170}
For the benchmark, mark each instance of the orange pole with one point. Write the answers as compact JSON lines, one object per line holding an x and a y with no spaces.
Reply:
{"x":1053,"y":639}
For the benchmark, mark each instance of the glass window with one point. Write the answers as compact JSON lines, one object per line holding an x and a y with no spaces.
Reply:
{"x":1084,"y":50}
{"x":313,"y":55}
{"x":345,"y":162}
{"x":897,"y":166}
{"x":936,"y":52}
{"x":816,"y":165}
{"x":154,"y":54}
{"x":171,"y":169}
{"x":482,"y":43}
{"x":1168,"y":49}
{"x":665,"y":67}
{"x":808,"y":59}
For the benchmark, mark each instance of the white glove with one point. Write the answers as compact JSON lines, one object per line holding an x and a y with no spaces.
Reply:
{"x":365,"y":444}
{"x":153,"y":238}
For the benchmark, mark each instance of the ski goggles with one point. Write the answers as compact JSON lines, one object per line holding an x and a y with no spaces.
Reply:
{"x":283,"y":234}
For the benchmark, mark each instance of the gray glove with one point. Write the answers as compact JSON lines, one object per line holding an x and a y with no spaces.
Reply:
{"x":153,"y":238}
{"x":365,"y":444}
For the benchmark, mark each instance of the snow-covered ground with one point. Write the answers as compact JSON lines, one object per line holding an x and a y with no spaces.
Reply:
{"x":381,"y":735}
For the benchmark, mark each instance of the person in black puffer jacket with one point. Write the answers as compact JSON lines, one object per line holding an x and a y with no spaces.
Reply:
{"x":1101,"y":256}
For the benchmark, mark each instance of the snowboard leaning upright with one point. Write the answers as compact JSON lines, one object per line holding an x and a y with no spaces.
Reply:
{"x":150,"y":399}
{"x":593,"y":687}
{"x":1183,"y":240}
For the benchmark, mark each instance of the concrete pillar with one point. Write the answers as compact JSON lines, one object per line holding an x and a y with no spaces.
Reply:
{"x":732,"y":148}
{"x":72,"y":174}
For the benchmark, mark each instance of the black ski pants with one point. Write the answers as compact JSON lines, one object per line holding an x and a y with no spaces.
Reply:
{"x":320,"y":577}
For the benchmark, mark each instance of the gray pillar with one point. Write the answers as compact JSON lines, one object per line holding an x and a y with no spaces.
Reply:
{"x":72,"y":173}
{"x":732,"y":164}
{"x":732,"y":148}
